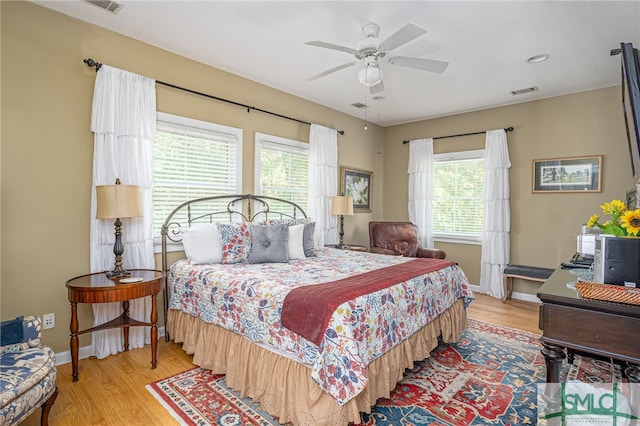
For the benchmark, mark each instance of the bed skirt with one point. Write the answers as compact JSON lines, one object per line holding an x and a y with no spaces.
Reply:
{"x":284,"y":387}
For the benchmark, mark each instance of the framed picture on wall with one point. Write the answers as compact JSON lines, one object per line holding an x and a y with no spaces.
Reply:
{"x":357,"y":184}
{"x":572,"y":174}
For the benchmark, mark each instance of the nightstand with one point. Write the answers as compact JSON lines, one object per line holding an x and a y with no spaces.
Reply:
{"x":352,"y":247}
{"x":98,"y":288}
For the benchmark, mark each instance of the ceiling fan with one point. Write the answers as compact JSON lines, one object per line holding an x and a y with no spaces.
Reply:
{"x":372,"y":49}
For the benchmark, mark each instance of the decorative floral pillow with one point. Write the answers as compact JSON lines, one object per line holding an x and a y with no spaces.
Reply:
{"x":235,"y":239}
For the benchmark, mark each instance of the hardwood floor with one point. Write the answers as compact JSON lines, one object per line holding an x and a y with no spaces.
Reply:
{"x":514,"y":313}
{"x":111,"y":391}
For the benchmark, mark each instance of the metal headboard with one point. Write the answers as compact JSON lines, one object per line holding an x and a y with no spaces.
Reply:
{"x":220,"y":208}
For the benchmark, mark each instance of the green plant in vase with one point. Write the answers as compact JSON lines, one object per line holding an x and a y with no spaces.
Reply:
{"x":623,"y":222}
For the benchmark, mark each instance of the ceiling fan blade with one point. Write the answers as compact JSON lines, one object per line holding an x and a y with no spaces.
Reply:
{"x":419,"y":63}
{"x":331,"y":71}
{"x":402,"y":36}
{"x":331,"y":46}
{"x":377,"y":88}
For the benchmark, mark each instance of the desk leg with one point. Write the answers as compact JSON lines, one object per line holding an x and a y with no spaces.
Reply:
{"x":553,"y":356}
{"x":125,"y":329}
{"x":154,"y":332}
{"x":74,"y":344}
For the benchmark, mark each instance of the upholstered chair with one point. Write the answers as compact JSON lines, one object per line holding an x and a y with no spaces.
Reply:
{"x":27,"y":372}
{"x":399,"y":239}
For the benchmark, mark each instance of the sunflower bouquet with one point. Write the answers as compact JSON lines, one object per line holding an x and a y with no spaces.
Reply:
{"x":622,"y":222}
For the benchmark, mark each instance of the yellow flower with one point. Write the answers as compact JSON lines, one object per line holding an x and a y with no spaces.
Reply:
{"x":630,"y":221}
{"x":614,"y":226}
{"x":592,"y":221}
{"x":615,"y":206}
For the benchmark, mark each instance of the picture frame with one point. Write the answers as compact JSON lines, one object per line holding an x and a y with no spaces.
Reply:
{"x":569,"y":174}
{"x":358,"y":184}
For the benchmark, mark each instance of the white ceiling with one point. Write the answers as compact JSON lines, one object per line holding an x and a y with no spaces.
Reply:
{"x":485,"y":43}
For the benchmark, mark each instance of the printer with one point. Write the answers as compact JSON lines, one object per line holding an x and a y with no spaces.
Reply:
{"x":585,"y":249}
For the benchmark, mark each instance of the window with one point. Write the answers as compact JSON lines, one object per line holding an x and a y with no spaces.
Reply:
{"x":193,"y":159}
{"x":282,"y":169}
{"x":458,"y":209}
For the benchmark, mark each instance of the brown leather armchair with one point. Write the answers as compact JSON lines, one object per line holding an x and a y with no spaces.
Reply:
{"x":399,"y":239}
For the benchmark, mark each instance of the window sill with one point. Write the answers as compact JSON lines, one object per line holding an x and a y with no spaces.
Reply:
{"x":458,"y":239}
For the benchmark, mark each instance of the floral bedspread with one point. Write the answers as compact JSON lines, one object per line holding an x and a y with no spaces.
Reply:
{"x":247,"y":299}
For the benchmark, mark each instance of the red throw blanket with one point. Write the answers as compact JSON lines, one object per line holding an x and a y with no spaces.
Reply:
{"x":306,"y":310}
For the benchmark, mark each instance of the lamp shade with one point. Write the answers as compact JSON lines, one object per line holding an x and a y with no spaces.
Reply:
{"x":370,"y":75}
{"x":341,"y":205}
{"x":118,"y":201}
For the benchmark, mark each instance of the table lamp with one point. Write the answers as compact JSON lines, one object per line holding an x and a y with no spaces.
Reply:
{"x":117,"y":202}
{"x":340,"y":206}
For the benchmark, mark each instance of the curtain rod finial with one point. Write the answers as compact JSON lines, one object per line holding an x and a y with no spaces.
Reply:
{"x":91,"y":63}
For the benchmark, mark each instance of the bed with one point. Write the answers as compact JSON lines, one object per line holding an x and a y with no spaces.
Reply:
{"x":316,"y":338}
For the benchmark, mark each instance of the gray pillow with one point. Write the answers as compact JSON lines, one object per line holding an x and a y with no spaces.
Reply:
{"x":269,"y":244}
{"x":308,"y":239}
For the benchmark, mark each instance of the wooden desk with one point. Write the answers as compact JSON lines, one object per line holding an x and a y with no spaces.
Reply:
{"x":602,"y":328}
{"x":97,"y":288}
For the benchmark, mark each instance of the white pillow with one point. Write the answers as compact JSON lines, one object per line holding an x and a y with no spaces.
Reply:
{"x":202,"y":244}
{"x":296,"y":246}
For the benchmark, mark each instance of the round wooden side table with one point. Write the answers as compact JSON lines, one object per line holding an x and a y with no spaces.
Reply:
{"x":98,"y":288}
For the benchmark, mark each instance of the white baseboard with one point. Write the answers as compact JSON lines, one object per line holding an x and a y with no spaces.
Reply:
{"x":85,"y":351}
{"x":515,"y":295}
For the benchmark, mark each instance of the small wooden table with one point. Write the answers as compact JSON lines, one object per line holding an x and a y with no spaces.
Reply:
{"x":352,"y":247}
{"x":98,"y":288}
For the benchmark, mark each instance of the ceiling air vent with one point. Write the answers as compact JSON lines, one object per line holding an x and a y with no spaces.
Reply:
{"x":359,"y":105}
{"x":109,"y":6}
{"x":523,"y":91}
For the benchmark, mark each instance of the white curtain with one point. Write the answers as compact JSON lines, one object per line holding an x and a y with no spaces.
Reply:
{"x":323,"y":182}
{"x":123,"y":120}
{"x":497,"y":217}
{"x":420,"y":171}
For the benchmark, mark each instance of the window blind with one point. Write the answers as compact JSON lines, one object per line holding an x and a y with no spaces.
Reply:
{"x":282,"y":169}
{"x":457,"y":204}
{"x":193,"y":159}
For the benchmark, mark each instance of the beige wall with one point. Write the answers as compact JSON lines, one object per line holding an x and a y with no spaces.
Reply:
{"x":543,"y":225}
{"x":47,"y":146}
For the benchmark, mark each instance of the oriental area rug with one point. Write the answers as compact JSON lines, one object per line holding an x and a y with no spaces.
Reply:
{"x":488,"y":377}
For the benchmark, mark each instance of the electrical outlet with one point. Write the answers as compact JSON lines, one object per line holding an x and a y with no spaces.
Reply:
{"x":48,"y":321}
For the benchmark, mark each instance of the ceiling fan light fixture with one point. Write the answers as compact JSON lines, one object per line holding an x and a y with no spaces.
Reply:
{"x":370,"y":75}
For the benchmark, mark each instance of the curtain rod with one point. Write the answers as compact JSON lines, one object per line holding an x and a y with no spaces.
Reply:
{"x":91,"y":63}
{"x":507,"y":129}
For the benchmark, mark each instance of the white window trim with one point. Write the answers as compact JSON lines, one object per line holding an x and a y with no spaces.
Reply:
{"x":284,"y":144}
{"x":171,"y":119}
{"x":450,"y":237}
